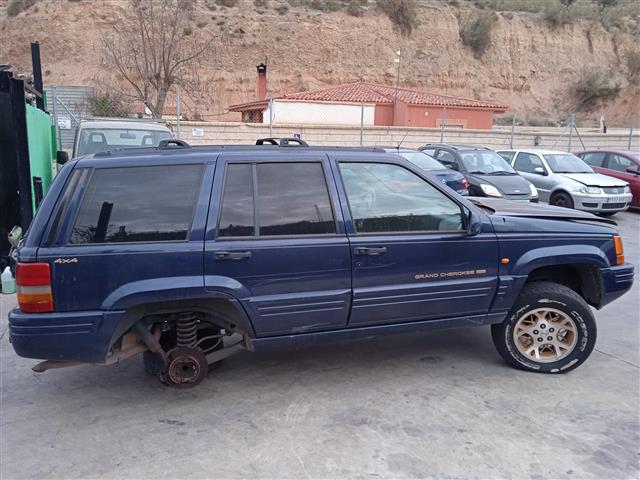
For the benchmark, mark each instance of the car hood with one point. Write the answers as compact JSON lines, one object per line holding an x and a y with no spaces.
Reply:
{"x":510,"y":208}
{"x":507,"y":184}
{"x":594,"y":179}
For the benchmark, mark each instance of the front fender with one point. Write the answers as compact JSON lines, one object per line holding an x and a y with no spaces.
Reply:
{"x":559,"y":255}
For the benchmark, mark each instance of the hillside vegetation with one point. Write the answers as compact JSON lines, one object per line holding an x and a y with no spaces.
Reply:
{"x":545,"y":58}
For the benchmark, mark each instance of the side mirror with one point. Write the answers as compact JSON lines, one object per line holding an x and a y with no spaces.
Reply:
{"x":62,"y":157}
{"x":474,"y":223}
{"x":634,"y":169}
{"x":539,"y":171}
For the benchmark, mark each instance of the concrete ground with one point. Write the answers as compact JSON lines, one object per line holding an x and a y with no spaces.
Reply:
{"x":441,"y":404}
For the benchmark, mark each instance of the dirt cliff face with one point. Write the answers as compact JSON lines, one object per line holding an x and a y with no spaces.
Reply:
{"x":529,"y":65}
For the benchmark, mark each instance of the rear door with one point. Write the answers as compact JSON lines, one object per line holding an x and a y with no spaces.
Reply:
{"x":275,"y":240}
{"x":412,"y":258}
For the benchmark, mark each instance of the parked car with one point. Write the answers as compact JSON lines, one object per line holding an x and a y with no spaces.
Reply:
{"x":451,"y":178}
{"x":192,"y":254}
{"x":104,"y":134}
{"x":486,"y":171}
{"x":622,"y":164}
{"x":566,"y":181}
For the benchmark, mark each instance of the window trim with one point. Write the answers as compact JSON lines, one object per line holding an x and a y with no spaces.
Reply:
{"x":80,"y":201}
{"x":463,"y":229}
{"x":256,"y":211}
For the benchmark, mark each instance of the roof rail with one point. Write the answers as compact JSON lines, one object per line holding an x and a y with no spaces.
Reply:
{"x":282,"y":142}
{"x":172,"y":143}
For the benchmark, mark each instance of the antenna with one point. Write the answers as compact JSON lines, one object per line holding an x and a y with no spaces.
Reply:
{"x":402,"y":141}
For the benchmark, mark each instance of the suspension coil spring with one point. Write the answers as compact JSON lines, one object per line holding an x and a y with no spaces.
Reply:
{"x":187,"y":330}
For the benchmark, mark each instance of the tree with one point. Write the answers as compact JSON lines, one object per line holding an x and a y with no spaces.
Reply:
{"x":154,"y":48}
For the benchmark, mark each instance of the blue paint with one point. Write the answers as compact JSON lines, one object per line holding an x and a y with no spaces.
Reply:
{"x":297,"y":289}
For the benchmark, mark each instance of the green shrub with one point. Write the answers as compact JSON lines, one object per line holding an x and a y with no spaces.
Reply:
{"x":261,"y":3}
{"x":105,"y":104}
{"x":592,"y":86}
{"x":632,"y":60}
{"x":556,"y":14}
{"x":476,"y":32}
{"x":16,"y":6}
{"x":227,"y":3}
{"x":403,"y":13}
{"x":355,"y":8}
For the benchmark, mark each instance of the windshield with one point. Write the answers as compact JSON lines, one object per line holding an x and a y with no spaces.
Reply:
{"x":486,"y":162}
{"x":423,"y":161}
{"x":566,"y":163}
{"x":94,"y":140}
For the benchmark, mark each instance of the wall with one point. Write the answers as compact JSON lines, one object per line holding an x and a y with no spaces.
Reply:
{"x":286,"y":112}
{"x":499,"y":137}
{"x":41,"y":148}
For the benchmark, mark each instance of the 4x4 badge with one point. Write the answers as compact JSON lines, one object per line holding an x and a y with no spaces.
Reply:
{"x":66,"y":260}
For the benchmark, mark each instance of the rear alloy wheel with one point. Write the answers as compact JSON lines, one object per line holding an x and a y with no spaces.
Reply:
{"x":562,"y":199}
{"x":550,"y":329}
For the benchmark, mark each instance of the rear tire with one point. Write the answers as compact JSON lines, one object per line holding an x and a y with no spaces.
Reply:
{"x":550,"y":329}
{"x":561,"y":199}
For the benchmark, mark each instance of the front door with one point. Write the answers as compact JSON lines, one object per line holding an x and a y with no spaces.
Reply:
{"x":277,"y":243}
{"x":412,"y":257}
{"x":531,"y":167}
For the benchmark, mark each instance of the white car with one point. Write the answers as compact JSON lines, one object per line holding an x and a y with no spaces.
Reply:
{"x":564,"y":180}
{"x":105,"y":134}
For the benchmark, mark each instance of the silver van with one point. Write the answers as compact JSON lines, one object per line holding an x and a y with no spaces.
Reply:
{"x":564,"y":180}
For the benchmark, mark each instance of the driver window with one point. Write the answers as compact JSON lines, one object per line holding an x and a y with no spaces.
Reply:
{"x":389,"y":198}
{"x":527,"y":163}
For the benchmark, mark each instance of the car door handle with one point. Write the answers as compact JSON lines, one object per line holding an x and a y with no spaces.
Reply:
{"x":233,"y":255}
{"x":370,"y":250}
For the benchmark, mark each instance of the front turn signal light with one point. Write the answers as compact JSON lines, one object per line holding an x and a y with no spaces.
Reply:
{"x":619,"y":249}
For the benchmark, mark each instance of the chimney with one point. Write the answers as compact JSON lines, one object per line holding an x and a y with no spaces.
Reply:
{"x":262,"y":81}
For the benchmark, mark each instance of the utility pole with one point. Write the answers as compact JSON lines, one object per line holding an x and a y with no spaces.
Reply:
{"x":395,"y":100}
{"x":513,"y":127}
{"x":178,"y":113}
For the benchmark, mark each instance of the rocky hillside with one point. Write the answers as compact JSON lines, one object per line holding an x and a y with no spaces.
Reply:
{"x":531,"y":61}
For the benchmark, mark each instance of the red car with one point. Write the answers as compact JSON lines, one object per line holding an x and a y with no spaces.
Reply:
{"x":622,"y":164}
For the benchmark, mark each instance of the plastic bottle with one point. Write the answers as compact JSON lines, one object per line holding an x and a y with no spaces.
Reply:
{"x":8,"y":282}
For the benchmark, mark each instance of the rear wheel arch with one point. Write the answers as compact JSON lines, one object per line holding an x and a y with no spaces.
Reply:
{"x":221,"y":309}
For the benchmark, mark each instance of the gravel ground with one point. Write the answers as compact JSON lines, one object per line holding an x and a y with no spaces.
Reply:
{"x":441,"y":404}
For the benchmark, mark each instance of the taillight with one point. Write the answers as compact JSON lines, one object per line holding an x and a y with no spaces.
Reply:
{"x":617,"y":243}
{"x":465,"y":184}
{"x":33,"y":286}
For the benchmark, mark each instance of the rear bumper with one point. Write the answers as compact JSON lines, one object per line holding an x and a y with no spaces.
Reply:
{"x":81,"y":336}
{"x":616,"y":281}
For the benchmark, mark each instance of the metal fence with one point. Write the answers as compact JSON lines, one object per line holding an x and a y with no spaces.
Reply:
{"x":67,"y":106}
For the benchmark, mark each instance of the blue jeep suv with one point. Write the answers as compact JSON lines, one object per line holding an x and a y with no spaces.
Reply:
{"x":189,"y":254}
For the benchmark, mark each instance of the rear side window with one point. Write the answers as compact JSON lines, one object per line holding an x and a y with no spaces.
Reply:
{"x":593,"y":159}
{"x":289,"y":198}
{"x":508,"y":156}
{"x":138,"y":204}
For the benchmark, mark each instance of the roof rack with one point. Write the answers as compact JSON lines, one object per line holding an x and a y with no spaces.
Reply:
{"x":282,"y":142}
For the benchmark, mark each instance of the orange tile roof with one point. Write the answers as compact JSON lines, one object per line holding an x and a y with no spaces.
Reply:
{"x":367,"y":92}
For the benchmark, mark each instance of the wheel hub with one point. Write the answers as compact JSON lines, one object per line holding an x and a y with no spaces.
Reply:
{"x":545,"y":335}
{"x":186,"y":367}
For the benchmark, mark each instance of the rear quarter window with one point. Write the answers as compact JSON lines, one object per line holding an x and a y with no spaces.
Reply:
{"x":137,"y":204}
